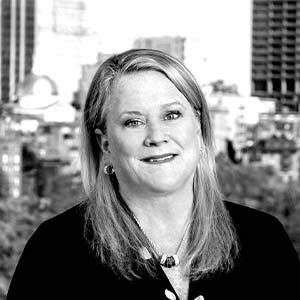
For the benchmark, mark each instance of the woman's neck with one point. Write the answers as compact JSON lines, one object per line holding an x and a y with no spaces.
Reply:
{"x":164,"y":218}
{"x":165,"y":208}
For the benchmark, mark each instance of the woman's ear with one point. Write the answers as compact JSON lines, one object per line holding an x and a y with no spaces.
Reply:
{"x":102,"y":140}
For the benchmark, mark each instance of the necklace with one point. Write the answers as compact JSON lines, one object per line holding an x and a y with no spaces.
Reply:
{"x":165,"y":260}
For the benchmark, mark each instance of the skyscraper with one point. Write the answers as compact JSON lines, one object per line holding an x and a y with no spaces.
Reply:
{"x":171,"y":45}
{"x":65,"y":42}
{"x":276,"y":52}
{"x":17,"y":28}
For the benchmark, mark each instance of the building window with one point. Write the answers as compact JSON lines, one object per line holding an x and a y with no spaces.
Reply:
{"x":290,"y":85}
{"x":16,"y":181}
{"x":17,"y":159}
{"x":47,"y":129}
{"x":67,"y":136}
{"x":16,"y":193}
{"x":4,"y":158}
{"x":276,"y":85}
{"x":260,"y":85}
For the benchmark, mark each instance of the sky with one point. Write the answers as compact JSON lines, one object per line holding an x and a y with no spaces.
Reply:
{"x":217,"y":32}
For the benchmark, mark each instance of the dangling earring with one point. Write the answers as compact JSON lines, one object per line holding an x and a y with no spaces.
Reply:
{"x":108,"y":170}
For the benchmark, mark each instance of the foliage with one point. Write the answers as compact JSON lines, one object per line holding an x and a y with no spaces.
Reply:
{"x":20,"y":217}
{"x":67,"y":191}
{"x":219,"y":86}
{"x":4,"y":186}
{"x":261,"y":188}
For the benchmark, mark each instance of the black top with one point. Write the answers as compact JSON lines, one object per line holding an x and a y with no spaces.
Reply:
{"x":57,"y":263}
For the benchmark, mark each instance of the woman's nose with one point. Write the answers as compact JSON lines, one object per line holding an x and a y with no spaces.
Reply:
{"x":156,"y":135}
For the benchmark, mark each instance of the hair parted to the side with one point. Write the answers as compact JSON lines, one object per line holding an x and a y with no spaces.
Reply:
{"x":111,"y":230}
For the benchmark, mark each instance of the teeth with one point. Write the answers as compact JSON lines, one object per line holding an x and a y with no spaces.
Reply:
{"x":160,"y":159}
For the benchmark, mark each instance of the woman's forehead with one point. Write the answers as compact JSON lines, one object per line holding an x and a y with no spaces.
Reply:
{"x":145,"y":88}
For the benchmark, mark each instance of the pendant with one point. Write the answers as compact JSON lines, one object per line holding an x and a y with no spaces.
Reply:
{"x":169,"y":261}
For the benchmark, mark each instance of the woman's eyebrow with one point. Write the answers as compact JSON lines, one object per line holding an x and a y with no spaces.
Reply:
{"x":136,"y":112}
{"x":173,"y":103}
{"x":130,"y":112}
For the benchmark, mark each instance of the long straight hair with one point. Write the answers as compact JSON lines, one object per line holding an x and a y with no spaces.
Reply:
{"x":110,"y":228}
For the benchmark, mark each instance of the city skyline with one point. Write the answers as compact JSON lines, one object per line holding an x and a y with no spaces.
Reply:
{"x":218,"y":33}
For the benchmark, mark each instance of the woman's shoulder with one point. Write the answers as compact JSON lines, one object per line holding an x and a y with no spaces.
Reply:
{"x":256,"y":226}
{"x":264,"y":245}
{"x":67,"y":218}
{"x":244,"y":216}
{"x":259,"y":231}
{"x":64,"y":228}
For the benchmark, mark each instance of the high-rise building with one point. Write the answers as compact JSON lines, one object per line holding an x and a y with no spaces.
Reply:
{"x":276,"y":52}
{"x":87,"y":74}
{"x":65,"y":42}
{"x":17,"y":35}
{"x":69,"y":17}
{"x":10,"y":156}
{"x":171,"y":45}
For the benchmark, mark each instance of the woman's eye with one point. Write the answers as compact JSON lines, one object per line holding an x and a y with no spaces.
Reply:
{"x":133,"y":123}
{"x":172,"y":115}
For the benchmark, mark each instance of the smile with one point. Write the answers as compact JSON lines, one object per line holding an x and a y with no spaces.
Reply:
{"x":159,"y":159}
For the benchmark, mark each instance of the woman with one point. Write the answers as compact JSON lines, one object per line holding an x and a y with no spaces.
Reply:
{"x":155,"y":225}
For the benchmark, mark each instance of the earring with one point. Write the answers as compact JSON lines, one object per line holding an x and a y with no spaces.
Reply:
{"x":98,"y":131}
{"x":108,"y":170}
{"x":201,"y":150}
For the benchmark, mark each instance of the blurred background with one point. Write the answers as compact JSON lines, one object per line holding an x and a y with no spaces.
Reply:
{"x":244,"y":54}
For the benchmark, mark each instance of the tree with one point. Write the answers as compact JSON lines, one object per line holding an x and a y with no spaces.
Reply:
{"x":263,"y":189}
{"x":4,"y":185}
{"x":18,"y":219}
{"x":219,"y":86}
{"x":67,"y":191}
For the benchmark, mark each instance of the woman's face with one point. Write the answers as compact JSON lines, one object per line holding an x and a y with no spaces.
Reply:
{"x":153,"y":137}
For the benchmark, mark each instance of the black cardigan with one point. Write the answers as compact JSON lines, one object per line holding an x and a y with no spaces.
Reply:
{"x":57,"y":263}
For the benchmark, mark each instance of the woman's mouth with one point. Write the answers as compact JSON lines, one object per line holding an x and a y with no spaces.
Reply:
{"x":158,"y":159}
